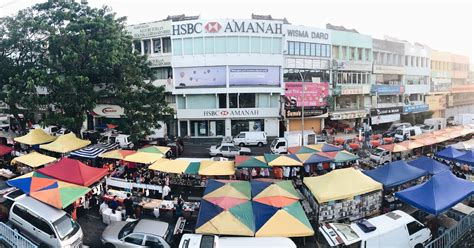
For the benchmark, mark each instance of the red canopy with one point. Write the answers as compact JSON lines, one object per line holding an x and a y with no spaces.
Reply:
{"x":74,"y":171}
{"x":5,"y":149}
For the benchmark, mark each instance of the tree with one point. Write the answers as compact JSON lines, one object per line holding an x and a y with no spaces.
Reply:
{"x":88,"y":58}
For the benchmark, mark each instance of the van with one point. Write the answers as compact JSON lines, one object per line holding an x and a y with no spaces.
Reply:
{"x":123,"y":140}
{"x":380,"y":156}
{"x":394,"y":127}
{"x":405,"y":133}
{"x":250,"y":138}
{"x":214,"y":241}
{"x":43,"y":224}
{"x":435,"y":123}
{"x":292,"y":139}
{"x":393,"y":229}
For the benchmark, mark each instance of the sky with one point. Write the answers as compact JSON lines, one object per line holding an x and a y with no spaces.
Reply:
{"x":445,"y":25}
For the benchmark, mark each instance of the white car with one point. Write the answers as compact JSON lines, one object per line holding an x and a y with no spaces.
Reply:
{"x":140,"y":233}
{"x":228,"y":150}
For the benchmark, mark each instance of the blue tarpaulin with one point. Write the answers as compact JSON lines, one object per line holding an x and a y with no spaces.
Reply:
{"x":428,"y":164}
{"x":440,"y":193}
{"x":467,"y":158}
{"x":395,"y":173}
{"x":449,"y":153}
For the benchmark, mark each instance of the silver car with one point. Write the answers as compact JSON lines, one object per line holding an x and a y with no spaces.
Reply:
{"x":228,"y":150}
{"x":140,"y":233}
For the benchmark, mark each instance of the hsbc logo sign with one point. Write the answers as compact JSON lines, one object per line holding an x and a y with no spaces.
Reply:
{"x":228,"y":26}
{"x":213,"y":27}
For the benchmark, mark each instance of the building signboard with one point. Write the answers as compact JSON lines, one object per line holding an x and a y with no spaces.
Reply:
{"x":292,"y":113}
{"x":315,"y":94}
{"x":195,"y":77}
{"x":415,"y":108}
{"x":306,"y":34}
{"x":350,"y":65}
{"x":436,"y":102}
{"x":388,"y":89}
{"x":348,"y":115}
{"x":379,"y":119}
{"x":386,"y":111}
{"x":227,"y":27}
{"x":228,"y":113}
{"x":385,"y":69}
{"x":159,"y":60}
{"x":351,"y":89}
{"x":150,"y":30}
{"x":107,"y":110}
{"x":254,"y":75}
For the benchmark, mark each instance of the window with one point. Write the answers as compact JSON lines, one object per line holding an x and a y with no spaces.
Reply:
{"x":359,"y":53}
{"x":188,"y":46}
{"x":406,"y":60}
{"x":183,"y":128}
{"x":22,"y":213}
{"x":177,"y":47}
{"x":209,"y":41}
{"x":222,"y":100}
{"x":412,"y":64}
{"x":147,"y":46}
{"x":323,"y":51}
{"x":162,"y":73}
{"x":302,"y":48}
{"x":166,"y":45}
{"x":313,"y":49}
{"x":247,"y":100}
{"x":352,"y":53}
{"x":367,"y":54}
{"x":344,"y":52}
{"x":198,"y":45}
{"x":43,"y":226}
{"x":318,"y":50}
{"x":232,"y":44}
{"x":233,"y":100}
{"x":291,"y":48}
{"x":335,"y":51}
{"x":266,"y":45}
{"x":255,"y":44}
{"x":308,"y":49}
{"x":134,"y":238}
{"x":156,"y":45}
{"x":244,"y":44}
{"x":414,"y":227}
{"x":276,"y":45}
{"x":220,"y":44}
{"x":328,"y":50}
{"x":153,"y":242}
{"x":137,"y":45}
{"x":241,"y":136}
{"x":233,"y":149}
{"x":199,"y":128}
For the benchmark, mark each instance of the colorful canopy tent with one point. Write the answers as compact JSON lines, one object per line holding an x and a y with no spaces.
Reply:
{"x":466,"y":158}
{"x":35,"y":137}
{"x":277,"y":194}
{"x":440,"y":193}
{"x":155,"y":149}
{"x":48,"y":190}
{"x":340,"y":157}
{"x":117,"y":154}
{"x":74,"y":171}
{"x":282,"y":160}
{"x":340,"y":184}
{"x":34,"y":159}
{"x":4,"y":150}
{"x":449,"y":153}
{"x":143,"y":157}
{"x":324,"y":147}
{"x":313,"y":158}
{"x":66,"y":143}
{"x":430,"y":165}
{"x":394,"y":147}
{"x":170,"y":166}
{"x":301,"y":150}
{"x":395,"y":173}
{"x":94,"y":150}
{"x":427,"y":140}
{"x":216,"y":168}
{"x":250,"y":162}
{"x":411,"y":144}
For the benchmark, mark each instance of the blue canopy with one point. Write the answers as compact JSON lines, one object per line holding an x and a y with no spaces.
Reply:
{"x":330,"y":148}
{"x":395,"y":173}
{"x":449,"y":153}
{"x":467,"y":158}
{"x":440,"y":193}
{"x":428,"y":164}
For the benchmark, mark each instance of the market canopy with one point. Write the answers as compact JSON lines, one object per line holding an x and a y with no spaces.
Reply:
{"x":467,"y":158}
{"x":428,"y":164}
{"x":4,"y":150}
{"x":34,"y":159}
{"x":74,"y":171}
{"x":282,"y":160}
{"x":216,"y":168}
{"x":463,"y":145}
{"x":340,"y":156}
{"x":396,"y":147}
{"x":66,"y":143}
{"x":35,"y":137}
{"x":143,"y":157}
{"x":277,"y":194}
{"x":395,"y":173}
{"x":250,"y":162}
{"x":94,"y":150}
{"x":155,"y":149}
{"x":449,"y":153}
{"x":171,"y":166}
{"x":117,"y":154}
{"x":440,"y":193}
{"x":340,"y":184}
{"x":313,"y":158}
{"x":321,"y":147}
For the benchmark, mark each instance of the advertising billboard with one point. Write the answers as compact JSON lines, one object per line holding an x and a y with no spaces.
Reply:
{"x":315,"y":94}
{"x":254,"y":75}
{"x":195,"y":77}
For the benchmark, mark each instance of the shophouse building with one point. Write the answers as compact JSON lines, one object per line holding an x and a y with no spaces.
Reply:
{"x":440,"y":88}
{"x":460,"y":99}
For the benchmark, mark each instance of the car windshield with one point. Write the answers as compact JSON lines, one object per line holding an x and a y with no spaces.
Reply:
{"x":426,"y":127}
{"x":127,"y":229}
{"x":65,"y":226}
{"x":274,"y":142}
{"x":207,"y":241}
{"x":377,"y":152}
{"x":399,"y":131}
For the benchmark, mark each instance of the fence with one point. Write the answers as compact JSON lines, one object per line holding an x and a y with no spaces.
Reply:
{"x":451,"y":236}
{"x":13,"y":238}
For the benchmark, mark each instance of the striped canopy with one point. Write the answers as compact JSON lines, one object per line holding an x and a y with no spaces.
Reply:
{"x":94,"y":150}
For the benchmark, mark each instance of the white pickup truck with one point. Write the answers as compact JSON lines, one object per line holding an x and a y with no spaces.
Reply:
{"x":213,"y":241}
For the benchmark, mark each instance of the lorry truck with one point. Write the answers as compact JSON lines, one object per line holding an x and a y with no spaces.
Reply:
{"x":292,"y":139}
{"x":463,"y":119}
{"x":435,"y":124}
{"x":393,"y":229}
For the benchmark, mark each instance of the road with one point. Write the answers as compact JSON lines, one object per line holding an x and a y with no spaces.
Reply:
{"x":201,"y":150}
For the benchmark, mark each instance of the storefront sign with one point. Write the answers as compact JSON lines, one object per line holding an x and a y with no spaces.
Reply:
{"x":306,"y":63}
{"x":292,"y":113}
{"x":415,"y":108}
{"x":386,"y":111}
{"x":157,"y":61}
{"x":350,"y":65}
{"x":348,"y":115}
{"x":150,"y":30}
{"x":436,"y":102}
{"x":227,"y":26}
{"x":375,"y":120}
{"x":306,"y":34}
{"x":227,"y":113}
{"x":385,"y":69}
{"x":351,"y":89}
{"x":111,"y":111}
{"x":194,"y":77}
{"x":388,"y":89}
{"x":462,"y":88}
{"x":254,"y":75}
{"x":315,"y":94}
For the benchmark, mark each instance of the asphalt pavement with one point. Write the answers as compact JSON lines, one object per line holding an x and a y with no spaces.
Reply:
{"x":198,"y":149}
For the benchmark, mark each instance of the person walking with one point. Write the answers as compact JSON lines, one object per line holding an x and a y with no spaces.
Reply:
{"x":128,"y":204}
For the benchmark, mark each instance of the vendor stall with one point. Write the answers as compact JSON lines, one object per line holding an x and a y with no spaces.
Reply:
{"x":343,"y":194}
{"x":143,"y":157}
{"x":282,"y":160}
{"x":35,"y":137}
{"x":449,"y":153}
{"x":31,"y":161}
{"x":74,"y":171}
{"x":395,"y":174}
{"x":93,"y":151}
{"x":117,"y":154}
{"x":430,"y":165}
{"x":65,"y":143}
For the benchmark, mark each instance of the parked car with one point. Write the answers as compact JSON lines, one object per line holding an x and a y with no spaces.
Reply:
{"x":394,"y":127}
{"x":405,"y":133}
{"x":123,"y":140}
{"x":426,"y":128}
{"x":228,"y":150}
{"x":140,"y":233}
{"x":258,"y":138}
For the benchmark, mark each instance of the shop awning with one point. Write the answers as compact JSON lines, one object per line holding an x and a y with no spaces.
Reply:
{"x":143,"y":157}
{"x":94,"y":150}
{"x":117,"y":154}
{"x":74,"y":171}
{"x":437,"y":195}
{"x":340,"y":184}
{"x":66,"y":143}
{"x":395,"y":173}
{"x":449,"y":153}
{"x":251,"y":162}
{"x":432,"y":166}
{"x":282,"y":160}
{"x":216,"y":168}
{"x":35,"y":137}
{"x":34,"y":159}
{"x":4,"y":150}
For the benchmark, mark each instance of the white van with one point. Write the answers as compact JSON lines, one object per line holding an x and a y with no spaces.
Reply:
{"x":380,"y":156}
{"x":123,"y":140}
{"x":44,"y":224}
{"x":205,"y":241}
{"x":292,"y":139}
{"x":405,"y":133}
{"x":258,"y":138}
{"x":394,"y":229}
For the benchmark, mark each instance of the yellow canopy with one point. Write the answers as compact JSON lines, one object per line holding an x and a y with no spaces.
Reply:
{"x":143,"y":157}
{"x":283,"y":224}
{"x":340,"y":184}
{"x":225,"y":223}
{"x":216,"y":168}
{"x":66,"y":143}
{"x":34,"y":159}
{"x":170,"y":166}
{"x":35,"y":137}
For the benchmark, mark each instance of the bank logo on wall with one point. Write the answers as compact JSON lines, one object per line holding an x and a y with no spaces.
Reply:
{"x":213,"y":27}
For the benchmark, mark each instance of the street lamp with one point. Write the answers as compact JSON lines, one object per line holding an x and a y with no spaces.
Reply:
{"x":302,"y":107}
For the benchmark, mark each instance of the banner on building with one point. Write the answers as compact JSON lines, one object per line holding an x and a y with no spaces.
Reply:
{"x":388,"y":89}
{"x":254,"y":75}
{"x":416,"y":108}
{"x":194,"y":77}
{"x":386,"y":111}
{"x":315,"y":94}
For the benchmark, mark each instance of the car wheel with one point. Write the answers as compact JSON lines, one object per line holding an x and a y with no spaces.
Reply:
{"x":241,"y":144}
{"x":260,"y":144}
{"x":219,"y":155}
{"x":418,"y":246}
{"x":109,"y":245}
